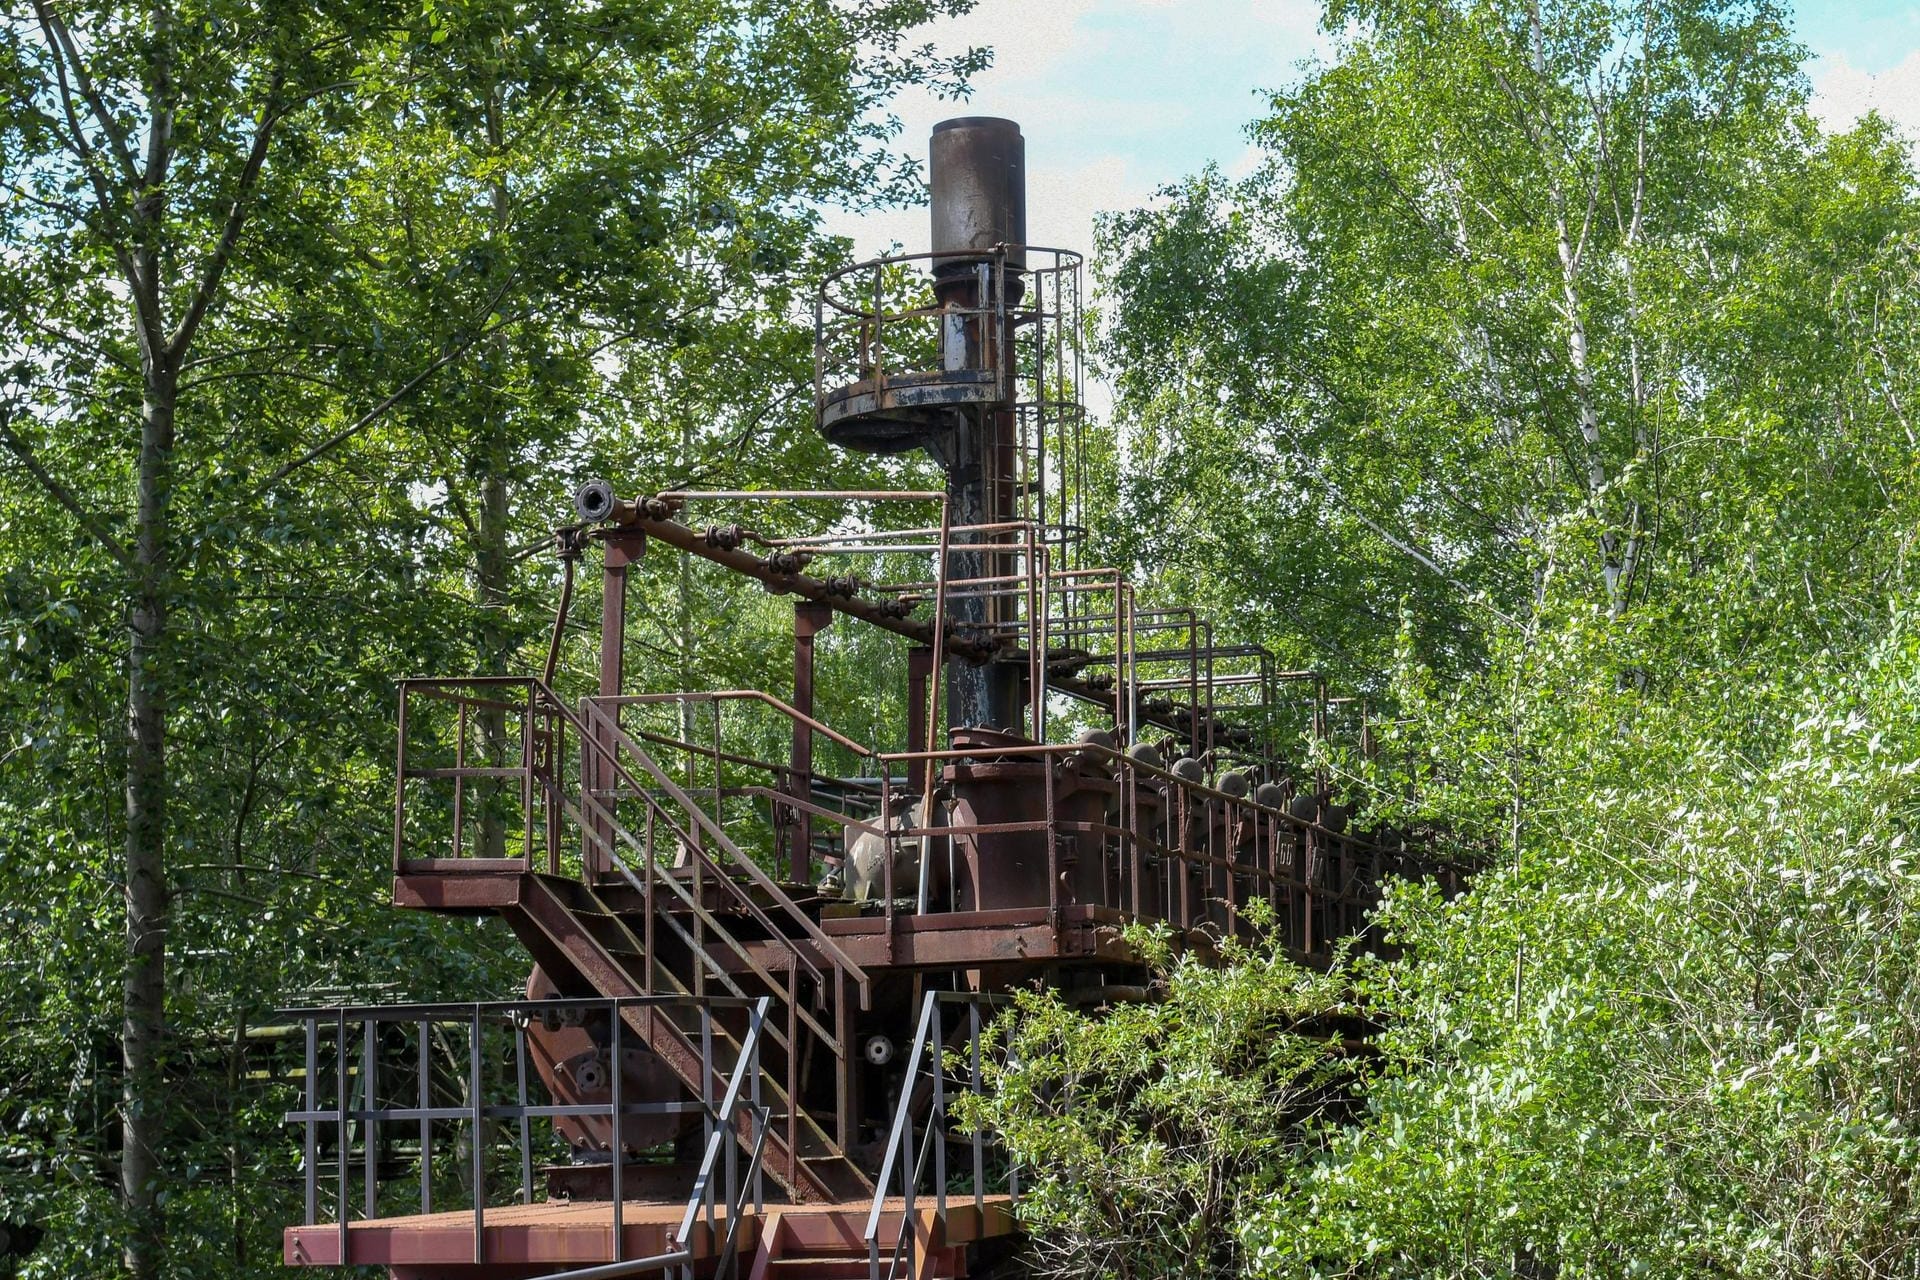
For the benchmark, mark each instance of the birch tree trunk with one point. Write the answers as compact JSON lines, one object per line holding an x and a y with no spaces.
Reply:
{"x":144,"y":990}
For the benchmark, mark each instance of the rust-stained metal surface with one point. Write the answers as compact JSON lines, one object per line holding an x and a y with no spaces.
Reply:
{"x":549,"y":1236}
{"x":977,"y":171}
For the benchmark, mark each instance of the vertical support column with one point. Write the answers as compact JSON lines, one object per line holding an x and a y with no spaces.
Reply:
{"x":846,"y":1080}
{"x":620,"y":550}
{"x":476,"y":1091}
{"x":919,"y":672}
{"x":809,"y":619}
{"x":312,"y":1164}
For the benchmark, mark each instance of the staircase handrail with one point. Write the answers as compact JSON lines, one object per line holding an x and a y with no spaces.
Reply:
{"x":680,"y":891}
{"x":590,"y":804}
{"x":550,"y":703}
{"x":814,"y":933}
{"x":746,"y":1066}
{"x":786,"y":709}
{"x":900,"y":1136}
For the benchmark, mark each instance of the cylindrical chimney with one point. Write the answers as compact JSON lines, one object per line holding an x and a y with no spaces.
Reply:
{"x":978,"y":171}
{"x":977,"y":168}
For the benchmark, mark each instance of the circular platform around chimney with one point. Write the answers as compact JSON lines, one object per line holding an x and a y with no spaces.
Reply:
{"x":903,"y":411}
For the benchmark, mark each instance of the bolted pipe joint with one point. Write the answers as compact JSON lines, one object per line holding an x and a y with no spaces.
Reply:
{"x":594,"y":501}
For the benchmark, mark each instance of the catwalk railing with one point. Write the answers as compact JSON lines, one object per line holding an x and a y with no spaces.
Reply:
{"x":1133,"y":835}
{"x":1156,"y":845}
{"x":1014,"y":324}
{"x":1013,"y":591}
{"x":378,"y":1093}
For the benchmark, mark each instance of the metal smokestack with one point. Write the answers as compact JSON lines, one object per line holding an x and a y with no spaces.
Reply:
{"x":977,"y":168}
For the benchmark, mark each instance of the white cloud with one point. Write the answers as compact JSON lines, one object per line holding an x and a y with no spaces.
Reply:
{"x":1031,"y":44}
{"x":1117,"y":98}
{"x":1842,"y":93}
{"x":1246,"y":164}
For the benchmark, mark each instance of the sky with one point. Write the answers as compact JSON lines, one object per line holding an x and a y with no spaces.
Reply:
{"x":1118,"y":98}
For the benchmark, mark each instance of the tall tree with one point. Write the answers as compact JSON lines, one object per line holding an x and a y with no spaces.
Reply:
{"x":1510,"y":272}
{"x":1565,"y":328}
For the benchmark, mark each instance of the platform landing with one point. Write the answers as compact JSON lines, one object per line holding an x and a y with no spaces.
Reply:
{"x":528,"y":1240}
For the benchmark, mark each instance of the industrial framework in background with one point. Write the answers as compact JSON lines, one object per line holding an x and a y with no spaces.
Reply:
{"x":759,"y":984}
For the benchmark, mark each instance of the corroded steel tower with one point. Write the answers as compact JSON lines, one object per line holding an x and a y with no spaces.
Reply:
{"x":962,"y":409}
{"x":759,"y":975}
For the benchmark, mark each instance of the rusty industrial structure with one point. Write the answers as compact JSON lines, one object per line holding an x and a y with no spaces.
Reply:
{"x":766,"y":952}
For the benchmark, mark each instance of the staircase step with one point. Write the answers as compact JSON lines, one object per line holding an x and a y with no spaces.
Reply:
{"x":829,"y":1267}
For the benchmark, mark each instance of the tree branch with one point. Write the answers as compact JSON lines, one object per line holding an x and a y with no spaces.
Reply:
{"x":84,"y":151}
{"x":86,"y":517}
{"x":67,"y":54}
{"x":380,"y":410}
{"x":1313,"y":468}
{"x":160,"y":101}
{"x":216,"y":266}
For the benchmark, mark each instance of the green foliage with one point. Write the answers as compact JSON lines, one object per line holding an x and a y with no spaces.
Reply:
{"x":1145,"y":1134}
{"x":487,"y":250}
{"x":1678,"y":1036}
{"x":1552,"y":377}
{"x":1511,"y":271}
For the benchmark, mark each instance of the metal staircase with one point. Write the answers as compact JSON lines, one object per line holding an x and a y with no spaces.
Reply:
{"x":563,"y":918}
{"x":789,"y":1250}
{"x":710,"y":917}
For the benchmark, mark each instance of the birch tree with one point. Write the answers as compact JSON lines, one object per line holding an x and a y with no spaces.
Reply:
{"x":1514,"y":273}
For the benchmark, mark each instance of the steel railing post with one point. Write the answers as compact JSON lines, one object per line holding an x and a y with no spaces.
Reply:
{"x":937,"y":1119}
{"x":370,"y":1127}
{"x":312,"y":1126}
{"x":340,"y":1114}
{"x":520,"y":1093}
{"x":479,"y":1139}
{"x":400,"y":786}
{"x":426,"y":1125}
{"x":617,"y":1124}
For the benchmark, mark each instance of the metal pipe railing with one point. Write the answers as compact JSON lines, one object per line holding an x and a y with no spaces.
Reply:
{"x":1304,"y":868}
{"x":722,"y":1181}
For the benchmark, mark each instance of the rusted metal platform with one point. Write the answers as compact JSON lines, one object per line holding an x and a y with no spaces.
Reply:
{"x":948,"y":940}
{"x":529,"y":1240}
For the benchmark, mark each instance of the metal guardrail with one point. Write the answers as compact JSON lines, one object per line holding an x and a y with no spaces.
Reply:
{"x":575,"y":772}
{"x":722,"y":1147}
{"x":878,"y":320}
{"x":723,"y":1181}
{"x":906,"y":1167}
{"x":610,"y":762}
{"x":1172,"y":848}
